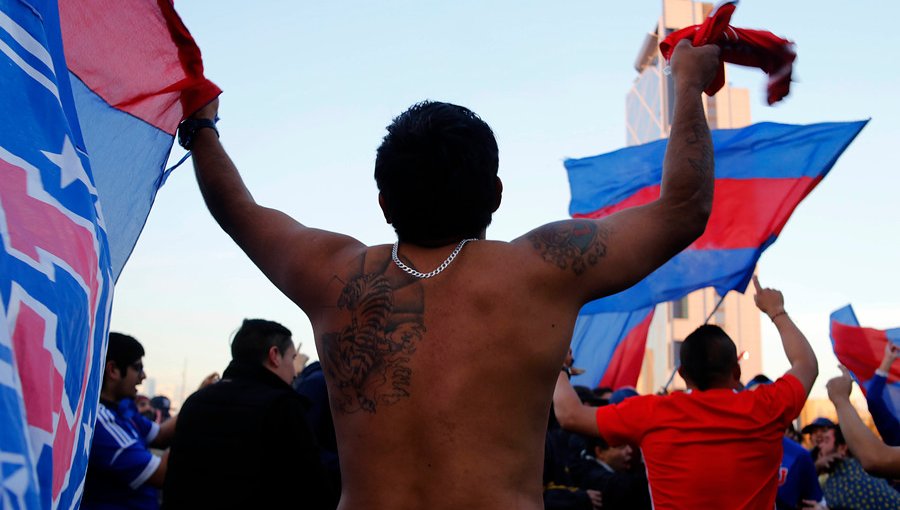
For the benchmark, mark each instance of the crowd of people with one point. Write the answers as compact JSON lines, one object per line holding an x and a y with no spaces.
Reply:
{"x":720,"y":434}
{"x":264,"y":425}
{"x":435,"y":388}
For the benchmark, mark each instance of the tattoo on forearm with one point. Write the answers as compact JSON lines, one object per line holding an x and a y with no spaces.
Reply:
{"x":575,"y":245}
{"x":368,"y":359}
{"x":703,"y":165}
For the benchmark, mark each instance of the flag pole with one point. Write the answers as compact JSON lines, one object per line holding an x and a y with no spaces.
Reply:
{"x":721,"y":298}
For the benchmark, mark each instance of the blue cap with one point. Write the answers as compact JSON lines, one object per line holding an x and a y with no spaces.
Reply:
{"x":621,"y":394}
{"x":818,"y":423}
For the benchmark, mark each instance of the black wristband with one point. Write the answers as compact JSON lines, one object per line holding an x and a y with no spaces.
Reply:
{"x":567,"y":370}
{"x":188,"y":128}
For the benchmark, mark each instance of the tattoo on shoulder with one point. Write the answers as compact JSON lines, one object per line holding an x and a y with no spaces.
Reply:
{"x":575,"y":245}
{"x":368,"y":359}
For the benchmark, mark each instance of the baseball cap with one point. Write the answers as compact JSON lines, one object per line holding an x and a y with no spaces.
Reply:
{"x":621,"y":394}
{"x":818,"y":423}
{"x":756,"y":381}
{"x":161,"y":403}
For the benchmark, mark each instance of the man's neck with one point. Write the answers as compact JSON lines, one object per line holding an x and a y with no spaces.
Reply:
{"x":445,"y":241}
{"x":109,"y":396}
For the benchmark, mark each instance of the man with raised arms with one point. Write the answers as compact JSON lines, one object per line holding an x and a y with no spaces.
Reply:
{"x":441,"y":351}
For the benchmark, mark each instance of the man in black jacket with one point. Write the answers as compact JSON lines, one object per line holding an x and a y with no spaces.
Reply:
{"x":245,"y":442}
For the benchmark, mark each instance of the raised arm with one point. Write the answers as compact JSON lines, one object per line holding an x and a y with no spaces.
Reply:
{"x":885,"y":421}
{"x":291,"y":255}
{"x":804,"y":365}
{"x":610,"y":254}
{"x":876,"y":457}
{"x":571,"y":414}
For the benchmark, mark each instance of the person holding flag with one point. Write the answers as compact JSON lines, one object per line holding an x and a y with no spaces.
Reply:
{"x":885,"y":421}
{"x":876,"y":457}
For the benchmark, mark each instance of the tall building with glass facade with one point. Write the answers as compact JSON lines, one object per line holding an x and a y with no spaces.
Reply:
{"x":648,"y":111}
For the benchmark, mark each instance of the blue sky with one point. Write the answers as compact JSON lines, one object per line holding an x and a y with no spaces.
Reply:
{"x":310,"y":86}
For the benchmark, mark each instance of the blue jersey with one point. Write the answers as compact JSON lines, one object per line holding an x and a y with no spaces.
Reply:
{"x":797,"y":478}
{"x":120,"y":462}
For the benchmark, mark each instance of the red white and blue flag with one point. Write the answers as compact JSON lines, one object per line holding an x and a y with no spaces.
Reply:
{"x":763,"y":171}
{"x":81,"y":159}
{"x":861,"y":351}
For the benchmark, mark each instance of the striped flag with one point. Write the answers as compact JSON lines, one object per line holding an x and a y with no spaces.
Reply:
{"x":762,"y":173}
{"x":81,"y":159}
{"x":861,"y":351}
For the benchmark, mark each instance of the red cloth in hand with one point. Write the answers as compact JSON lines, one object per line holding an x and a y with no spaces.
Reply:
{"x":746,"y":47}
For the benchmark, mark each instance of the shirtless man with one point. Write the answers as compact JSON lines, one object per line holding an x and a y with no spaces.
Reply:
{"x":441,"y":386}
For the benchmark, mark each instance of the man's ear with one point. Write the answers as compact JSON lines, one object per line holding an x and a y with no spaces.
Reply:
{"x":383,"y":205}
{"x":111,"y":372}
{"x":274,"y":357}
{"x":498,"y":194}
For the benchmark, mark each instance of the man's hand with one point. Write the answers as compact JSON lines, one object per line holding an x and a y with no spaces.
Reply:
{"x":826,"y":463}
{"x":839,"y":387}
{"x":693,"y":68}
{"x":769,"y":301}
{"x":891,"y":351}
{"x":210,"y":379}
{"x":809,"y":504}
{"x":210,"y":111}
{"x":596,"y":498}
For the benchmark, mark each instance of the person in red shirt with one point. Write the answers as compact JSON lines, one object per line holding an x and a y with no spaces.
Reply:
{"x":712,"y":446}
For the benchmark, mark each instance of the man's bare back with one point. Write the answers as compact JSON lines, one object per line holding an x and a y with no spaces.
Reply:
{"x":441,"y":387}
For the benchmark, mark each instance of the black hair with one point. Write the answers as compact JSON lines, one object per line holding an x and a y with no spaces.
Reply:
{"x":592,"y":442}
{"x":708,"y":357}
{"x":253,"y":340}
{"x":123,"y":350}
{"x":588,"y":397}
{"x":436,"y":170}
{"x":839,"y":437}
{"x":599,"y":391}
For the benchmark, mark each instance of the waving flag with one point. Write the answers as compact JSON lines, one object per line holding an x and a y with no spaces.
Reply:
{"x":610,"y":347}
{"x":762,"y":173}
{"x":861,"y":351}
{"x":73,"y":199}
{"x":136,"y":73}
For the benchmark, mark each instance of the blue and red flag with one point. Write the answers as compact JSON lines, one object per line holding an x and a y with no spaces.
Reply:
{"x":610,"y":347}
{"x":76,"y":157}
{"x":136,"y":73}
{"x":763,"y":171}
{"x":861,"y":351}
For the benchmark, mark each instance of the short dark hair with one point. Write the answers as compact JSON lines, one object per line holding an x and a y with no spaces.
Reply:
{"x":592,"y":442}
{"x":588,"y":397}
{"x":255,"y":337}
{"x":436,"y":170}
{"x":123,"y":350}
{"x":839,"y":437}
{"x":708,"y":356}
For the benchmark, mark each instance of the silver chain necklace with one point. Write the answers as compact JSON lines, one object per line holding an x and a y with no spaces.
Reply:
{"x":419,"y":274}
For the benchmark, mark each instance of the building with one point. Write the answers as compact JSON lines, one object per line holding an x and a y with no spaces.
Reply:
{"x":648,"y":111}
